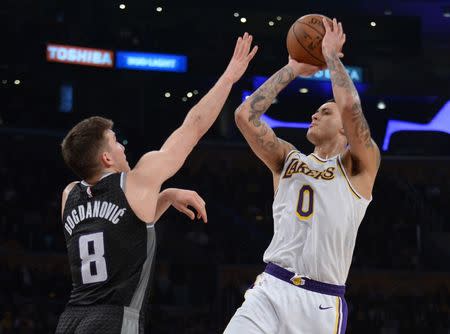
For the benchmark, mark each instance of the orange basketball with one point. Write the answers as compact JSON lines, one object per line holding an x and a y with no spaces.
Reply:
{"x":304,"y":39}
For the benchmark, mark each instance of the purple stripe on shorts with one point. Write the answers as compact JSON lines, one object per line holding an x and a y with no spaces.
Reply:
{"x":307,"y":284}
{"x":344,"y":315}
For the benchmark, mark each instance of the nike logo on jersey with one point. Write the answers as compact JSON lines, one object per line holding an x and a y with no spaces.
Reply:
{"x":324,"y":308}
{"x":299,"y":167}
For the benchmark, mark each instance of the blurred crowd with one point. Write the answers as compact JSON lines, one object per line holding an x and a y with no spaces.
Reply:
{"x":405,"y":230}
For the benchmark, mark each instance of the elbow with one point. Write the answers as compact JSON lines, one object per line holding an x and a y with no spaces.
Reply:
{"x":239,"y":114}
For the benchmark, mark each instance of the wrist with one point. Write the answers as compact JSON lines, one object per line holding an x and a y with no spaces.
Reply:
{"x":290,"y":67}
{"x":227,"y":79}
{"x":329,"y":54}
{"x":168,"y":195}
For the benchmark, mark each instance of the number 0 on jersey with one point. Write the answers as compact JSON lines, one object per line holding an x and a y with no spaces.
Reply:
{"x":305,"y":204}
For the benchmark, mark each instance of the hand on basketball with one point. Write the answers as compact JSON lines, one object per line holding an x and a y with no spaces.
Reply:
{"x":183,"y":199}
{"x":241,"y":58}
{"x":334,"y":38}
{"x":302,"y":69}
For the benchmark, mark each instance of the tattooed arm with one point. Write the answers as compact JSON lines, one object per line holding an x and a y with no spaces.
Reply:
{"x":261,"y":138}
{"x":363,"y":149}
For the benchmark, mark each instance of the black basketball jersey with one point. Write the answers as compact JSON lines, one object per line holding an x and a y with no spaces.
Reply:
{"x":110,"y":249}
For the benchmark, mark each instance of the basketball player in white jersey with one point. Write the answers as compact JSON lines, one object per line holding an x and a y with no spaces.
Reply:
{"x":320,"y":200}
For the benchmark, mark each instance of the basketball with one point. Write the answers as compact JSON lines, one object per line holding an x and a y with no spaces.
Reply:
{"x":304,"y":39}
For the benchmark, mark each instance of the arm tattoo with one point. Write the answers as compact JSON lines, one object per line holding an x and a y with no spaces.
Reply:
{"x":264,"y":95}
{"x":338,"y":74}
{"x":361,"y":126}
{"x":344,"y":88}
{"x":268,"y":144}
{"x":261,"y":100}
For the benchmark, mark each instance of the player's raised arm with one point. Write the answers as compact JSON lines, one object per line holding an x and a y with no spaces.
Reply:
{"x":362,"y":148}
{"x":261,"y":138}
{"x":157,"y":166}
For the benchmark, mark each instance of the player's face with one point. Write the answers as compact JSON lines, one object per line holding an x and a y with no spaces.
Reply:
{"x":117,"y":153}
{"x":326,"y":124}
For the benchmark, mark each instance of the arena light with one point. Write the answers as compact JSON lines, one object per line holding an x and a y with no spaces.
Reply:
{"x":303,"y":90}
{"x":189,"y":94}
{"x":184,"y":99}
{"x":151,"y":61}
{"x":159,"y":9}
{"x":243,"y":19}
{"x":439,"y":123}
{"x":373,"y":24}
{"x":271,"y":23}
{"x":236,"y":14}
{"x":273,"y":123}
{"x":195,"y":92}
{"x":355,"y":73}
{"x":167,"y":94}
{"x":122,"y":6}
{"x":17,"y":82}
{"x":381,"y":105}
{"x":279,"y":18}
{"x":79,"y":55}
{"x":446,"y":11}
{"x":66,"y":98}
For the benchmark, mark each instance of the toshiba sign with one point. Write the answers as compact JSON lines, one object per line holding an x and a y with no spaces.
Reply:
{"x":79,"y":55}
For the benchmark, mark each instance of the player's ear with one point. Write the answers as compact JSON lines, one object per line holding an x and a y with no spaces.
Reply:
{"x":106,"y":159}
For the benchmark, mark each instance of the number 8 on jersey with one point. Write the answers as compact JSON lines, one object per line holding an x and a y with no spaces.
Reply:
{"x":93,"y":264}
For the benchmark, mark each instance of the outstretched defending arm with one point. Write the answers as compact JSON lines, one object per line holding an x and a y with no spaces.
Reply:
{"x":156,"y":167}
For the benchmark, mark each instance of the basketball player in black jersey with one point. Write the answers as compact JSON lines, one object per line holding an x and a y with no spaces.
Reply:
{"x":108,"y":217}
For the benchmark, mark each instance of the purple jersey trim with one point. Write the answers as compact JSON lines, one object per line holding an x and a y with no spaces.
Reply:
{"x":307,"y":284}
{"x":344,"y":316}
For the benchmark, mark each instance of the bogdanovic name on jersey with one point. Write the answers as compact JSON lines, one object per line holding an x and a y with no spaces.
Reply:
{"x":97,"y":209}
{"x":296,"y":167}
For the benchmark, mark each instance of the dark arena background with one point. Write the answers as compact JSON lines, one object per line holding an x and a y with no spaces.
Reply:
{"x":147,"y":64}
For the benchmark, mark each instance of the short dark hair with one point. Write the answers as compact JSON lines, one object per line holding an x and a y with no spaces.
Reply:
{"x":83,"y":143}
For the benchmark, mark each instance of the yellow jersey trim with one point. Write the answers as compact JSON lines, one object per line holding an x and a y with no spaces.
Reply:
{"x":338,"y":313}
{"x":289,"y":155}
{"x":318,"y":159}
{"x":353,"y":191}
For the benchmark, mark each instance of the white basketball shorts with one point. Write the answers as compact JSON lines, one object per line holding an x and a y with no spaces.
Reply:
{"x":281,"y":302}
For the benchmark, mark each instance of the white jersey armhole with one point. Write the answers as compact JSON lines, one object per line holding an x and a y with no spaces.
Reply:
{"x":352,"y":189}
{"x":291,"y":152}
{"x":289,"y":155}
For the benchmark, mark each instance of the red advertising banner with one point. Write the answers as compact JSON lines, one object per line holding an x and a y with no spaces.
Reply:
{"x":79,"y":55}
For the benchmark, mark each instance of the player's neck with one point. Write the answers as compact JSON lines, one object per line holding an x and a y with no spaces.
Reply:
{"x":328,"y":150}
{"x":93,"y":180}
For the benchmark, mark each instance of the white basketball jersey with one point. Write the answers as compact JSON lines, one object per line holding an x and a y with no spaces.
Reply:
{"x":316,"y":216}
